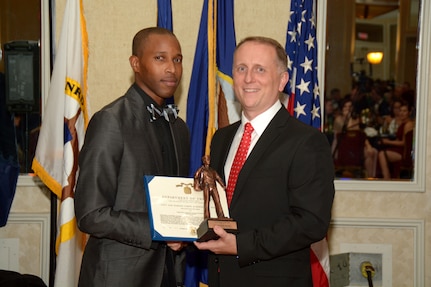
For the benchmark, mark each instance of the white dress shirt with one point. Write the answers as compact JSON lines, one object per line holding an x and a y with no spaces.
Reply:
{"x":259,"y":124}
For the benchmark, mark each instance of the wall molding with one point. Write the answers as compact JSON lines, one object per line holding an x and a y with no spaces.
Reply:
{"x":417,"y":226}
{"x":43,"y":220}
{"x":25,"y":180}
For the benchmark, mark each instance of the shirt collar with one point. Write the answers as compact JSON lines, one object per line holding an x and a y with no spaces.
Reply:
{"x":260,"y":122}
{"x":147,"y":99}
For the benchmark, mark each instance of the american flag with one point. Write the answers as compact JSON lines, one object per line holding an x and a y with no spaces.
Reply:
{"x":304,"y":101}
{"x":301,"y":49}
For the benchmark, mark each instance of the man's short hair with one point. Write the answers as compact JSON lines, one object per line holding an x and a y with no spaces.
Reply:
{"x":279,"y":50}
{"x":142,"y":36}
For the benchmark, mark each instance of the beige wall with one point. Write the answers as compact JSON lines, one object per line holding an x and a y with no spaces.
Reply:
{"x":112,"y":28}
{"x":110,"y":32}
{"x":399,"y":220}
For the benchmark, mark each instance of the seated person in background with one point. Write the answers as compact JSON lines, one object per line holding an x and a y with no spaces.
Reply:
{"x":330,"y":114}
{"x":345,"y":121}
{"x":379,"y":106}
{"x":360,"y":99}
{"x":394,"y":149}
{"x":335,"y":98}
{"x":409,"y":96}
{"x":392,"y":121}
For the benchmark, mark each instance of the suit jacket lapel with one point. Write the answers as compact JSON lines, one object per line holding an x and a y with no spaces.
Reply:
{"x":271,"y":133}
{"x":179,"y":145}
{"x":226,"y":147}
{"x":138,"y":108}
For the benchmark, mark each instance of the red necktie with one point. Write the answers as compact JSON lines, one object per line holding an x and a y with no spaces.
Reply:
{"x":238,"y":162}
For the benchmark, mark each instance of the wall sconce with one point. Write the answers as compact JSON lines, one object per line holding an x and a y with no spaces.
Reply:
{"x":375,"y":57}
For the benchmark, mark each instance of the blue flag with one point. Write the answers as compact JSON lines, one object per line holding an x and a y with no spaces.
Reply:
{"x":164,"y":14}
{"x":228,"y":109}
{"x":164,"y":20}
{"x":197,"y":99}
{"x":9,"y":167}
{"x":210,"y":103}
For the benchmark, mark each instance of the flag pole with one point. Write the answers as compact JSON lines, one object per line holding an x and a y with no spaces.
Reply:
{"x":54,"y":207}
{"x":52,"y":256}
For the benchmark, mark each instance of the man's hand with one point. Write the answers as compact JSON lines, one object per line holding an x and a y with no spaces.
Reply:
{"x":226,"y":244}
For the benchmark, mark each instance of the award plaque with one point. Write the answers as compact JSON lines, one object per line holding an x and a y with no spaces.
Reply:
{"x":206,"y":231}
{"x":175,"y":208}
{"x":207,"y":180}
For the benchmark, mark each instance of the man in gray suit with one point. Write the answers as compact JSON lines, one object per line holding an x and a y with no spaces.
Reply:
{"x":283,"y":195}
{"x":127,"y":139}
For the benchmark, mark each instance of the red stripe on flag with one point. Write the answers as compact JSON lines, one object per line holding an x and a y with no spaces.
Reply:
{"x":320,"y":278}
{"x":291,"y":104}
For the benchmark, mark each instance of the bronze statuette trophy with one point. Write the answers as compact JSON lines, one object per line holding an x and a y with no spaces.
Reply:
{"x":206,"y":179}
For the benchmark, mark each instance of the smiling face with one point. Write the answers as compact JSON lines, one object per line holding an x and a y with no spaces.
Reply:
{"x":347,"y":108}
{"x":396,"y":108}
{"x":258,"y":77}
{"x":404,"y":112}
{"x":158,"y":66}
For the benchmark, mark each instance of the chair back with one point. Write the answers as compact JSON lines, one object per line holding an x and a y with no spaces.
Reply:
{"x":350,"y":148}
{"x":404,"y":167}
{"x":408,"y":148}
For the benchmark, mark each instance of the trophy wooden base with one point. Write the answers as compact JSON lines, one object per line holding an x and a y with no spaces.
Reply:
{"x":206,"y":232}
